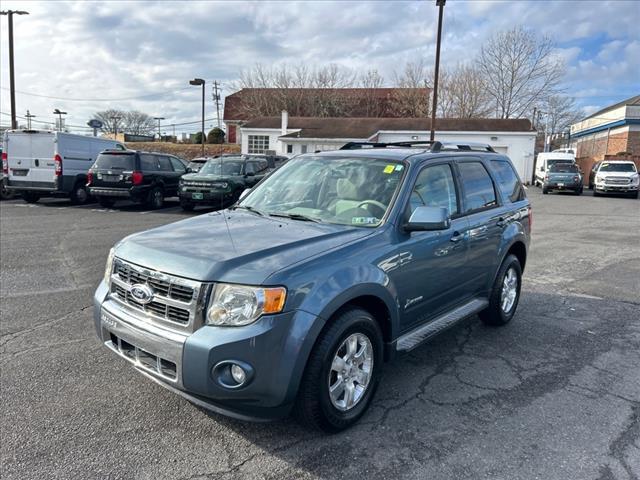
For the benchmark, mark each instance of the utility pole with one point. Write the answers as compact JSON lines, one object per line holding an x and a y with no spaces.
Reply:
{"x":28,"y":116}
{"x":159,"y":134}
{"x":59,"y":113}
{"x":216,"y":97}
{"x":12,"y":80}
{"x":440,"y":5}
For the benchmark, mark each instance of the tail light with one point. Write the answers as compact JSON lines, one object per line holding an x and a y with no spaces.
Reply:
{"x":89,"y":178}
{"x":137,"y":178}
{"x":58,"y":165}
{"x":546,"y":178}
{"x":5,"y":164}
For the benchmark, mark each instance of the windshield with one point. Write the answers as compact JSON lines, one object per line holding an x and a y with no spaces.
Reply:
{"x":223,"y":166}
{"x":347,"y":191}
{"x":563,"y":168}
{"x":114,"y":161}
{"x":618,"y":167}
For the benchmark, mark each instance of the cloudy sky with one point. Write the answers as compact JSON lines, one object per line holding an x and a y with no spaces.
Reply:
{"x":140,"y":55}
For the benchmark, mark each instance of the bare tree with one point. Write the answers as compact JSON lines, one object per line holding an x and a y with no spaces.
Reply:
{"x":138,"y":123}
{"x":411,"y":100}
{"x":464,"y":93}
{"x":110,"y":119}
{"x":560,"y":112}
{"x":519,"y":68}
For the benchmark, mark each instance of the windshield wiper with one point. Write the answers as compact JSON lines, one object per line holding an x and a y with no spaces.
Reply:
{"x":251,"y":209}
{"x":295,"y":216}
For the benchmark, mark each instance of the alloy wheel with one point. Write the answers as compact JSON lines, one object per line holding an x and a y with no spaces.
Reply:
{"x":351,"y":371}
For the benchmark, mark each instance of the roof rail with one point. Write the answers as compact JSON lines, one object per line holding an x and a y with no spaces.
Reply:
{"x":435,"y":146}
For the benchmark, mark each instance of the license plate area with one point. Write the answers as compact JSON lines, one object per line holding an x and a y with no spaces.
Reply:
{"x":197,"y":196}
{"x":111,"y":178}
{"x":560,"y":184}
{"x":20,"y":172}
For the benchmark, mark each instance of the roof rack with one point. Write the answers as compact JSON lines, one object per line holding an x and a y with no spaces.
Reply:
{"x":435,"y":146}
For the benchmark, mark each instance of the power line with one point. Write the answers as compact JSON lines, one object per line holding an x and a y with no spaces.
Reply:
{"x":97,"y":99}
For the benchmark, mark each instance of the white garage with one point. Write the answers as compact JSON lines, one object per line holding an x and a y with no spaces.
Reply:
{"x":295,"y":135}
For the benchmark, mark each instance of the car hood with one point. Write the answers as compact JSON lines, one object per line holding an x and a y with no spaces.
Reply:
{"x":198,"y":177}
{"x":233,"y":245}
{"x":617,"y":174}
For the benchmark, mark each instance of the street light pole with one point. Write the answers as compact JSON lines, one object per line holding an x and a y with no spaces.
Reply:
{"x":28,"y":116}
{"x":12,"y":80}
{"x":59,"y":113}
{"x":159,"y":134}
{"x":200,"y":81}
{"x":440,"y":4}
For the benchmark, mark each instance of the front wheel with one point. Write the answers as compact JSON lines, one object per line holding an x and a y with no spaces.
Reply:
{"x":342,"y":373}
{"x":505,"y":293}
{"x":545,"y":190}
{"x":79,"y":194}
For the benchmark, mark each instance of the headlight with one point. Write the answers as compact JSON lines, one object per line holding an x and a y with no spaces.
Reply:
{"x":109,"y":267}
{"x":238,"y":305}
{"x":599,"y":178}
{"x":635,"y":178}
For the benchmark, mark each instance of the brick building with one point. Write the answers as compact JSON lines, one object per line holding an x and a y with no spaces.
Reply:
{"x":613,"y":131}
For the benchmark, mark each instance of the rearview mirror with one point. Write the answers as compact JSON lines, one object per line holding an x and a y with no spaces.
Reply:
{"x":428,"y":219}
{"x":244,"y":193}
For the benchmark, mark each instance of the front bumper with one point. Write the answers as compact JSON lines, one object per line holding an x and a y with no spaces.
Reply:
{"x":275,"y":347}
{"x":208,"y":197}
{"x":613,"y":188}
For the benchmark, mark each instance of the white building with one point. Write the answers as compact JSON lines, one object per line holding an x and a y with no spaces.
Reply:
{"x":295,"y":135}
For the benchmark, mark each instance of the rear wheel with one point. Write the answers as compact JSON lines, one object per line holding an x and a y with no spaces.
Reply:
{"x":505,"y":293}
{"x":545,"y":190}
{"x":342,"y":373}
{"x":5,"y":193}
{"x":106,"y":202}
{"x":30,"y":197}
{"x":155,"y":199}
{"x":579,"y":191}
{"x":79,"y":194}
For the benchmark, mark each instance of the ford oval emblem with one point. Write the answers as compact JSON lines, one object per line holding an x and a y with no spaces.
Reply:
{"x":142,"y":293}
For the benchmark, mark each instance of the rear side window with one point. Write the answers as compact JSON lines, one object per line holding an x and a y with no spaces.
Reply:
{"x":478,"y":186}
{"x":114,"y":161}
{"x":165,"y":164}
{"x":178,"y":166}
{"x":508,"y":180}
{"x":148,"y":163}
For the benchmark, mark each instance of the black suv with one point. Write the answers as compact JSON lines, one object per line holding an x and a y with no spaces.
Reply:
{"x":222,"y":179}
{"x":144,"y":177}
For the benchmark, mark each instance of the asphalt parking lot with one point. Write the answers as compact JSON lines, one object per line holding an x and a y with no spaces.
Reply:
{"x":554,"y":395}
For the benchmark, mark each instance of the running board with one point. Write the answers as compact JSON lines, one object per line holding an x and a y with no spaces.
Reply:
{"x":412,"y":339}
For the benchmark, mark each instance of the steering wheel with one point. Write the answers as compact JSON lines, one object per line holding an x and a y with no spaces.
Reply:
{"x":375,"y":203}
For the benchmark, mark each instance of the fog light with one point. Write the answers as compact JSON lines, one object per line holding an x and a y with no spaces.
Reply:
{"x":238,"y":374}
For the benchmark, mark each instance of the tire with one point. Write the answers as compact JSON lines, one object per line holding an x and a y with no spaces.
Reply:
{"x":6,"y":194}
{"x":186,"y":206}
{"x":634,"y":194}
{"x":595,"y":193}
{"x":155,"y":199}
{"x":544,"y":190}
{"x":79,"y":194}
{"x":314,"y":406}
{"x":497,"y":313}
{"x":30,"y":197}
{"x":106,"y":202}
{"x":579,"y":191}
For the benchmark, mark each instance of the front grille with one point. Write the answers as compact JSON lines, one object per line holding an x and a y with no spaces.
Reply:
{"x":175,"y":300}
{"x":617,"y":180}
{"x":143,"y":359}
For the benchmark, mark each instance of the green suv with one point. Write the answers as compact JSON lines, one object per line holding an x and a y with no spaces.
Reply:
{"x":221,"y":180}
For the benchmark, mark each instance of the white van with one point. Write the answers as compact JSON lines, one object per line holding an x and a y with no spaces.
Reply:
{"x":41,"y":163}
{"x":545,"y":159}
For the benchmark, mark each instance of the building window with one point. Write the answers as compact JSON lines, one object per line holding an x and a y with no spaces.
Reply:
{"x":258,"y":143}
{"x":303,"y":149}
{"x":289,"y":148}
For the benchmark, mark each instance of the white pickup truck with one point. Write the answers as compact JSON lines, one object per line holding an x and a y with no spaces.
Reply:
{"x":616,"y":176}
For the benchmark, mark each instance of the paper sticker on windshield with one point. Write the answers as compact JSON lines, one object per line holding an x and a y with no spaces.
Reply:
{"x":399,"y":168}
{"x":389,"y":168}
{"x":364,"y":220}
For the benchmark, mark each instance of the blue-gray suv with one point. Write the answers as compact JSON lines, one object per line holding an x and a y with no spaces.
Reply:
{"x":292,"y":299}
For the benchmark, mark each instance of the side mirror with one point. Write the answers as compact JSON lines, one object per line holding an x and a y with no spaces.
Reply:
{"x":428,"y":219}
{"x":244,"y":193}
{"x":250,"y":174}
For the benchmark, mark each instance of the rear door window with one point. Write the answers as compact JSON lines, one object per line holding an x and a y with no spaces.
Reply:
{"x":165,"y":164}
{"x":109,"y":161}
{"x":479,"y":192}
{"x":148,"y":163}
{"x":508,"y":181}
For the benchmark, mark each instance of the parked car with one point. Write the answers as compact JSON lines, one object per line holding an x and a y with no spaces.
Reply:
{"x":544,"y":160}
{"x":592,"y":174}
{"x":196,"y":163}
{"x":42,"y":163}
{"x":144,"y":177}
{"x":562,"y":177}
{"x":616,"y":176}
{"x":292,"y":300}
{"x":221,"y":180}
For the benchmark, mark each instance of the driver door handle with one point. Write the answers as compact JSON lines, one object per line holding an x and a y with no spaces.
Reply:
{"x":457,"y":236}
